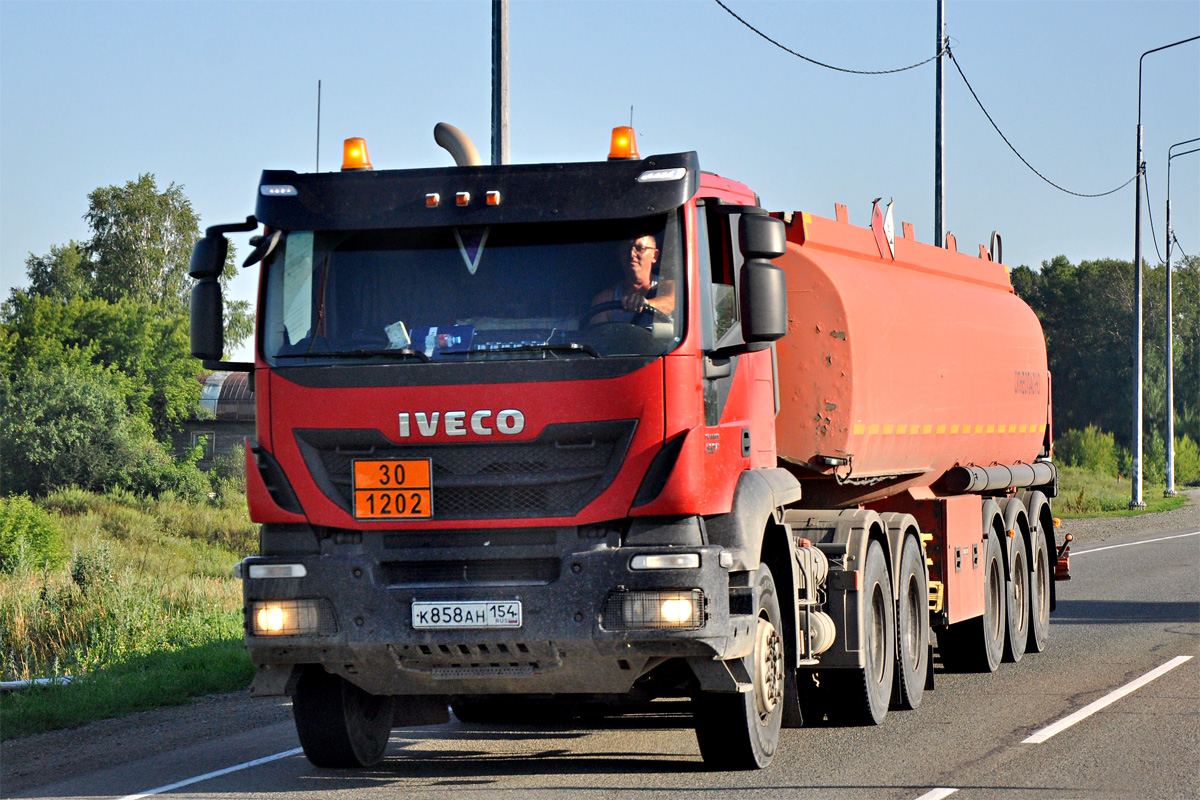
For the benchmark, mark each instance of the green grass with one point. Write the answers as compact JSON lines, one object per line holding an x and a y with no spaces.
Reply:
{"x":145,"y":612}
{"x":159,"y":678}
{"x":1085,"y":493}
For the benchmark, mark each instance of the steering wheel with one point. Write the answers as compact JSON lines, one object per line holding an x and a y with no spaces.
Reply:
{"x":616,"y":305}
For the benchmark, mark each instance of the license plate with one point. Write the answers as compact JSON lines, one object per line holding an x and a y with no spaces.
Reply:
{"x":393,"y":489}
{"x":469,"y":614}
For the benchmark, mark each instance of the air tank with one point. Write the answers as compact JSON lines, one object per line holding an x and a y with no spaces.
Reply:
{"x":895,"y":369}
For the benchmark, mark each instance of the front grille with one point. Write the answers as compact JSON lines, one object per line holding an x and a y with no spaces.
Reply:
{"x":554,"y":475}
{"x":511,"y":571}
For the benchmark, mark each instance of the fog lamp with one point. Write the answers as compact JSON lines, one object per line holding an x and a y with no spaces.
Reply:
{"x":291,"y":617}
{"x":654,"y":610}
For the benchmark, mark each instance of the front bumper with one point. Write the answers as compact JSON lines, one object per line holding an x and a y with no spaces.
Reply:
{"x":562,"y":579}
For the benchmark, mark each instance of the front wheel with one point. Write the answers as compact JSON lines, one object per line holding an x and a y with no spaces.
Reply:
{"x":340,"y":725}
{"x":741,"y":731}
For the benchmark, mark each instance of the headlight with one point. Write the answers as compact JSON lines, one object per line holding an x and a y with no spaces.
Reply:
{"x":291,"y":617}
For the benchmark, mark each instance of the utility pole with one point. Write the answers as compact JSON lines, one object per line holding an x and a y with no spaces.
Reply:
{"x":499,"y":81}
{"x":1135,"y":477}
{"x":939,"y":134}
{"x":1169,"y":491}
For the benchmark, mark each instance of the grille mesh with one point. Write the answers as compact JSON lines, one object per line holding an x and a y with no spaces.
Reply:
{"x":556,"y":474}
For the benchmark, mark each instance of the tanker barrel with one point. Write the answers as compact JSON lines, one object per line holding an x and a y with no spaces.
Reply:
{"x":983,"y":479}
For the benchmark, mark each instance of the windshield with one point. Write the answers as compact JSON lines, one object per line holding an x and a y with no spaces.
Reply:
{"x":550,"y":290}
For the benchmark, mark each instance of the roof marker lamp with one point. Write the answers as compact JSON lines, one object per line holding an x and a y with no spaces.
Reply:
{"x":624,"y":143}
{"x":354,"y":155}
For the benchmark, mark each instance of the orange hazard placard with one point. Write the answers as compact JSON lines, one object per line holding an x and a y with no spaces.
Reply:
{"x":393,"y":489}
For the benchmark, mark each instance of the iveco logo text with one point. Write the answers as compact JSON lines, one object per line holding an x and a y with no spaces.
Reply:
{"x":510,"y":421}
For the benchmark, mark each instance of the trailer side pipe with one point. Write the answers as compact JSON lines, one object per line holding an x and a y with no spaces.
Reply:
{"x":962,"y":480}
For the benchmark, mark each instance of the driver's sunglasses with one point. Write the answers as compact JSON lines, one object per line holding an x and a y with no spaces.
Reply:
{"x":641,"y":248}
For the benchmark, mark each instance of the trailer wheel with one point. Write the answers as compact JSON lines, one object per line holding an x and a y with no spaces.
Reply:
{"x":1017,"y":600}
{"x":912,"y":614}
{"x":1039,"y":594}
{"x":340,"y":725}
{"x":862,"y":695}
{"x":976,"y":645}
{"x":741,"y":731}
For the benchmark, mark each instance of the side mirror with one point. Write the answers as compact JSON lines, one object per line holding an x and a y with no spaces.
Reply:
{"x":207,"y":326}
{"x":761,"y":236}
{"x":208,"y":256}
{"x":763,"y":285}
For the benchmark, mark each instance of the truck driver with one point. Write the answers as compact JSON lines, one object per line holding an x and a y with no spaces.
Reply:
{"x":639,"y":291}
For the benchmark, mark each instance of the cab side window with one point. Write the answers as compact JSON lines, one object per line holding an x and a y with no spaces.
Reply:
{"x":723,"y":257}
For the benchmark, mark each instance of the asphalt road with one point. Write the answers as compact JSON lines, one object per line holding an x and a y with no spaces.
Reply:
{"x":1128,"y":610}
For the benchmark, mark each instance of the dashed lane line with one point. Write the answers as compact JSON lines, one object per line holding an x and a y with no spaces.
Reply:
{"x":1107,"y":700}
{"x":215,"y":774}
{"x":937,"y":794}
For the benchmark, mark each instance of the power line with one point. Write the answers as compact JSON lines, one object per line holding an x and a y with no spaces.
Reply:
{"x":1018,"y":155}
{"x":820,"y":63}
{"x":1150,"y":213}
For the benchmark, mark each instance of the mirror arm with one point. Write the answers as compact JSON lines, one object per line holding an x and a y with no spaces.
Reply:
{"x":228,"y":366}
{"x":738,"y":349}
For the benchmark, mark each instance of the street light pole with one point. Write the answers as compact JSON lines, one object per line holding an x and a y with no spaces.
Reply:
{"x":1170,"y":490}
{"x":939,"y":134}
{"x":499,"y":81}
{"x":1135,"y":478}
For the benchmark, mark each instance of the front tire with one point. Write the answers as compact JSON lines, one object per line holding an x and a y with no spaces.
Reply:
{"x":741,"y":731}
{"x":340,"y":725}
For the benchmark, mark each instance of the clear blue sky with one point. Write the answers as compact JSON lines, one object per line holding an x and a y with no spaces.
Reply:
{"x":207,"y":95}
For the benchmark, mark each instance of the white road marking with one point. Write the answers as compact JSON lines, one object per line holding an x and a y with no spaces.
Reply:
{"x":1108,"y":699}
{"x":1131,"y":544}
{"x":215,"y":774}
{"x":937,"y":794}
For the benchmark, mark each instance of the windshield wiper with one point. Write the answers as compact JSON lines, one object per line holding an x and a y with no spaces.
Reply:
{"x":554,"y":347}
{"x":392,"y":351}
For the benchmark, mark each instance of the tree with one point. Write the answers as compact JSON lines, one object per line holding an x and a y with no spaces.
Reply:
{"x":1087,"y":313}
{"x":70,"y":426}
{"x":144,"y":344}
{"x":142,"y":240}
{"x":64,"y":274}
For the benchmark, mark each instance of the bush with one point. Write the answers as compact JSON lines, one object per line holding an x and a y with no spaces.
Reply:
{"x":69,"y":426}
{"x":1089,"y":448}
{"x":1187,"y":460}
{"x":29,"y":536}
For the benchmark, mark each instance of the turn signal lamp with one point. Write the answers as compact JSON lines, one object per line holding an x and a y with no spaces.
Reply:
{"x":624,"y":143}
{"x":354,"y":154}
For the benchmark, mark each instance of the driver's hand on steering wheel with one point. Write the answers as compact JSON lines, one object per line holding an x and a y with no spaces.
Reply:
{"x":633,"y":302}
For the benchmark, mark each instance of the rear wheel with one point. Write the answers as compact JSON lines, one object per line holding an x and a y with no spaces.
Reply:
{"x":339,"y":724}
{"x":1039,"y":594}
{"x":1017,"y":597}
{"x":912,"y":614}
{"x":976,"y":645}
{"x":861,"y":696}
{"x":741,"y":731}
